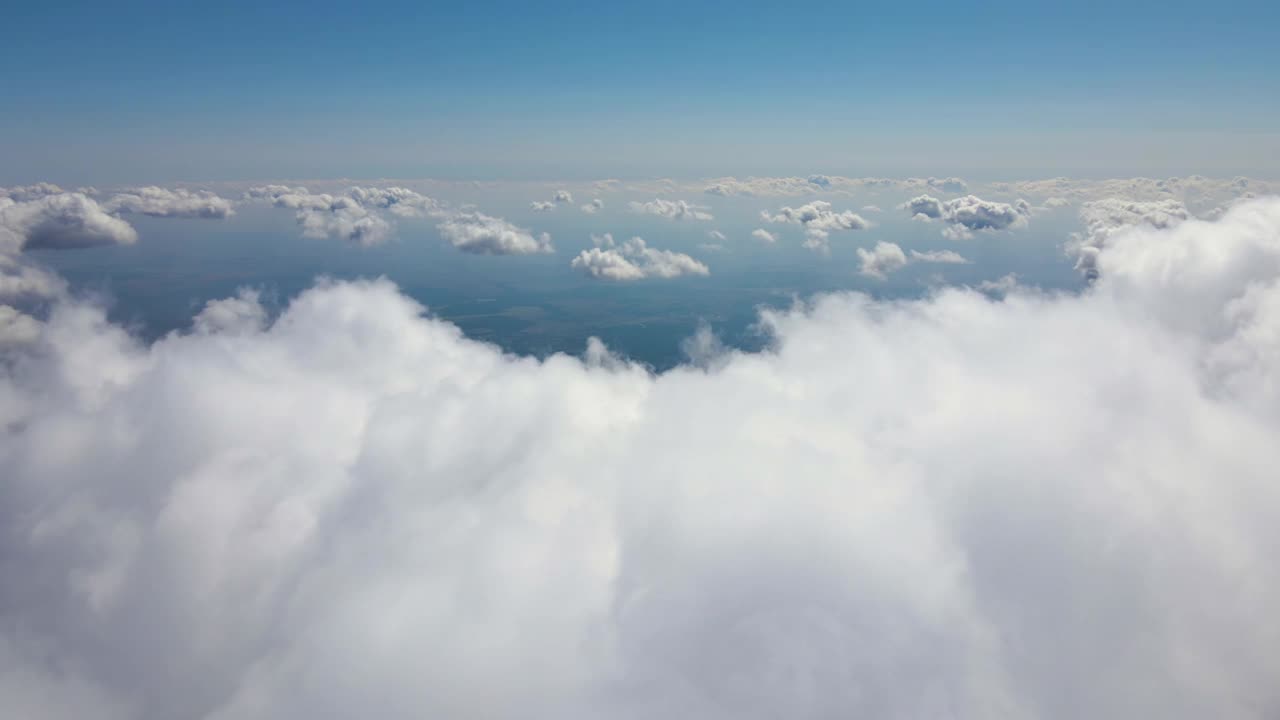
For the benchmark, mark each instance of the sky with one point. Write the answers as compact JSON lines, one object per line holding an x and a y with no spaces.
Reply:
{"x":611,"y":362}
{"x":578,"y":90}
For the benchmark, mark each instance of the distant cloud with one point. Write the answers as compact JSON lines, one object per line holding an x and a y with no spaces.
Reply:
{"x":716,"y":235}
{"x":968,"y":213}
{"x":163,"y":202}
{"x":542,"y":206}
{"x":480,"y":234}
{"x":22,"y":281}
{"x":27,"y":193}
{"x":884,"y":258}
{"x":593,"y":207}
{"x":633,"y":260}
{"x":947,"y":257}
{"x":355,"y":225}
{"x":818,"y":220}
{"x":563,"y":196}
{"x":764,"y":235}
{"x":671,"y":209}
{"x":67,"y":220}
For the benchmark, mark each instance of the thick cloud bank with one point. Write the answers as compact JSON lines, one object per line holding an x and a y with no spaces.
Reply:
{"x":60,"y":221}
{"x":1049,"y":506}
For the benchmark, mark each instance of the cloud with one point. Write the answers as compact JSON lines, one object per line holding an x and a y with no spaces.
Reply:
{"x":67,"y":220}
{"x":563,"y":196}
{"x":671,"y":209}
{"x":968,"y":213}
{"x":764,"y":235}
{"x":480,"y":234}
{"x":946,"y":257}
{"x":593,"y":207}
{"x":163,"y":202}
{"x":354,"y":225}
{"x":951,"y":184}
{"x":716,"y":235}
{"x":27,"y":193}
{"x":633,"y":260}
{"x":542,"y":206}
{"x":884,"y":258}
{"x":20,"y":280}
{"x":1105,"y":218}
{"x":819,"y":221}
{"x":948,"y":507}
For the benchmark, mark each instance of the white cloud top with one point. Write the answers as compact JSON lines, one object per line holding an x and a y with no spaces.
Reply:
{"x":633,"y":260}
{"x":163,"y":202}
{"x":671,"y":209}
{"x":480,"y":234}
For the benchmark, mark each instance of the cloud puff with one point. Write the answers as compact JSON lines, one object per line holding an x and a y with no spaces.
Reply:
{"x":950,"y":507}
{"x":819,"y":221}
{"x":20,"y":280}
{"x":633,"y":260}
{"x":884,"y":258}
{"x":671,"y":209}
{"x":67,"y":220}
{"x":716,"y":235}
{"x":968,"y":213}
{"x":477,"y":233}
{"x":593,"y":207}
{"x":27,"y":193}
{"x":1104,"y":218}
{"x":764,"y":235}
{"x":563,"y":196}
{"x":353,"y":224}
{"x":542,"y":206}
{"x":163,"y":202}
{"x":887,"y":257}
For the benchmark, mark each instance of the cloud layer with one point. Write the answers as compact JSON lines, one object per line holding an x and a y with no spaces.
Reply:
{"x":1050,"y":506}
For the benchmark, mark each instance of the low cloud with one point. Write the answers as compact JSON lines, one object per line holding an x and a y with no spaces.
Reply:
{"x":61,"y":221}
{"x":633,"y":260}
{"x":969,"y":213}
{"x":480,"y":234}
{"x":354,"y":225}
{"x":593,"y":207}
{"x":163,"y":202}
{"x":886,"y":257}
{"x":818,"y":220}
{"x":671,"y":209}
{"x":1105,"y":218}
{"x":956,"y":506}
{"x":764,"y":235}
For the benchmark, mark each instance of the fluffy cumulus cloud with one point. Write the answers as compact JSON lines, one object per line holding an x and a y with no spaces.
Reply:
{"x":542,"y":206}
{"x":968,"y":213}
{"x":354,"y":225}
{"x":480,"y":234}
{"x":950,"y":507}
{"x":563,"y":196}
{"x":887,"y":257}
{"x":593,"y":207}
{"x":819,"y":221}
{"x":671,"y":209}
{"x":884,"y":258}
{"x":63,"y":220}
{"x":634,"y":260}
{"x":164,"y":202}
{"x":27,"y":193}
{"x":1104,"y":218}
{"x":764,"y":235}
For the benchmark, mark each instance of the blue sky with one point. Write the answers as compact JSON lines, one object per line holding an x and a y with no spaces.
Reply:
{"x":160,"y":91}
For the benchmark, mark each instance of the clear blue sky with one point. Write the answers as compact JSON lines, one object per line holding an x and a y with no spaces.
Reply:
{"x":133,"y":92}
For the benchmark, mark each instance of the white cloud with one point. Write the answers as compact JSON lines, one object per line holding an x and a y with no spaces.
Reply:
{"x":946,"y":257}
{"x":593,"y":207}
{"x":1104,"y":218}
{"x":241,"y":314}
{"x":163,"y":202}
{"x":20,"y":280}
{"x":633,"y":260}
{"x":67,"y":220}
{"x":671,"y":209}
{"x":968,"y":213}
{"x":477,"y":233}
{"x":716,"y":235}
{"x":819,"y":221}
{"x":27,"y":193}
{"x":354,"y":225}
{"x":950,"y":507}
{"x":764,"y":235}
{"x":542,"y":206}
{"x":884,"y":258}
{"x":563,"y":196}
